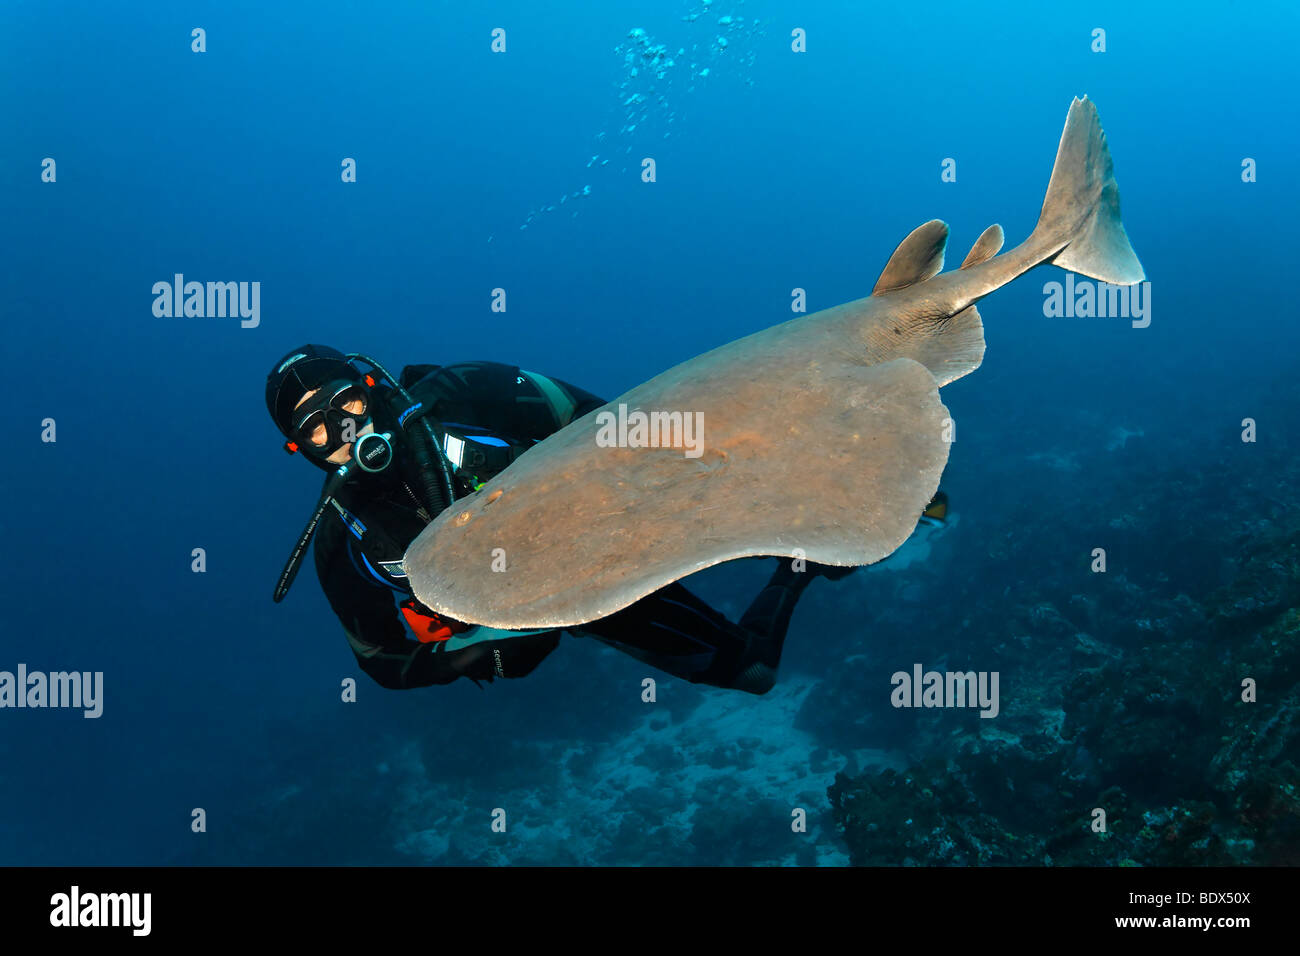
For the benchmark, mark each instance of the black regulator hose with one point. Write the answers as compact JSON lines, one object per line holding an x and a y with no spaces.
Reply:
{"x":433,"y":467}
{"x":332,"y":485}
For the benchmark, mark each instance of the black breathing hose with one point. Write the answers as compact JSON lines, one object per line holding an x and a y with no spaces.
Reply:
{"x":431,"y":463}
{"x":332,"y":485}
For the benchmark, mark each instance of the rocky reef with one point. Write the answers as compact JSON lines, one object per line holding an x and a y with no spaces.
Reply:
{"x":1177,"y":716}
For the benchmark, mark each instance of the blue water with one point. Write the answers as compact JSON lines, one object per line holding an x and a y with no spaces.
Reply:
{"x":778,"y":170}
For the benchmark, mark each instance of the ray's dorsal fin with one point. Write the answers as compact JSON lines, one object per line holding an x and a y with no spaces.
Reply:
{"x":917,"y":258}
{"x":986,"y":247}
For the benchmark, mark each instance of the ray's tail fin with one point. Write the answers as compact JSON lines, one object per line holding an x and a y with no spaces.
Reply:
{"x":1080,"y":216}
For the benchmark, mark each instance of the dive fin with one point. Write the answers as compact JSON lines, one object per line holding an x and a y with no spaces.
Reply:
{"x":917,"y":258}
{"x":986,"y":247}
{"x":1083,"y":182}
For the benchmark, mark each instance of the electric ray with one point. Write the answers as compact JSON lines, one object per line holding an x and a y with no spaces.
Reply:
{"x":822,"y":437}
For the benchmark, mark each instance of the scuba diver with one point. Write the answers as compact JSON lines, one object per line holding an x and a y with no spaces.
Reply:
{"x":399,"y":451}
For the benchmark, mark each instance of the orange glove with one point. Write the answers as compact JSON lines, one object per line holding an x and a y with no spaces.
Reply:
{"x":429,"y":626}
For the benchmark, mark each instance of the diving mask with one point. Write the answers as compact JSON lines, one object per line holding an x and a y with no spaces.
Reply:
{"x":331,"y":418}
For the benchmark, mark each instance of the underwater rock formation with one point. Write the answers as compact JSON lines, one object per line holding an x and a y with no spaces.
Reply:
{"x":1152,"y":725}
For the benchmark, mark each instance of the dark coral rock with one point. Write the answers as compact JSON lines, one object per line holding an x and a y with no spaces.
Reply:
{"x":1150,"y":723}
{"x":1267,"y":584}
{"x":921,"y":817}
{"x":745,"y":828}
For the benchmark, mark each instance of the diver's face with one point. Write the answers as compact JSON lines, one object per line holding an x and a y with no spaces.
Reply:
{"x":319,"y":437}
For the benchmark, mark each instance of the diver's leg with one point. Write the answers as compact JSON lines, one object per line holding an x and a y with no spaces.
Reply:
{"x":767,"y":620}
{"x":674,"y":630}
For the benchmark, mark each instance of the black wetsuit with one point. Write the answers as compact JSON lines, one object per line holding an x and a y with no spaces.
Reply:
{"x":495,"y":413}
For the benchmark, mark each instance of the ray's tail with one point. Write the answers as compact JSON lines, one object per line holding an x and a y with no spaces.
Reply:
{"x":1079,"y":228}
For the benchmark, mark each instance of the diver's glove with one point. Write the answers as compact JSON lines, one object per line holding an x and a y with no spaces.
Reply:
{"x":429,"y":626}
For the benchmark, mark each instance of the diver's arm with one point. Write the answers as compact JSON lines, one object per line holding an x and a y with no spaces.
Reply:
{"x":514,"y":403}
{"x":420,"y":665}
{"x":373,"y":628}
{"x":379,"y":639}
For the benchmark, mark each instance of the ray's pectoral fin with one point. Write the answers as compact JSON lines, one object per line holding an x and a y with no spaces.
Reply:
{"x":917,"y":258}
{"x":587,"y":529}
{"x":949,"y":347}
